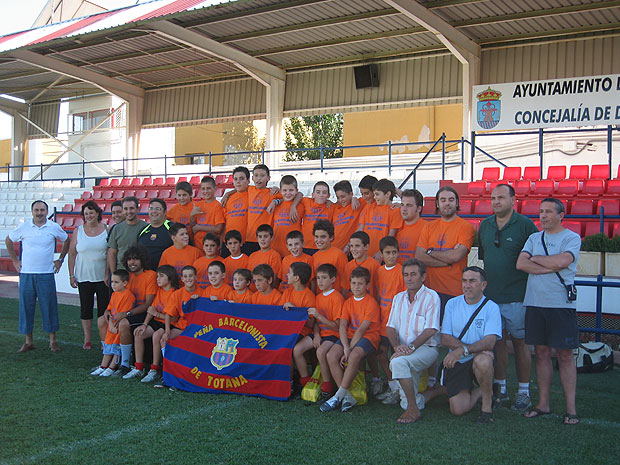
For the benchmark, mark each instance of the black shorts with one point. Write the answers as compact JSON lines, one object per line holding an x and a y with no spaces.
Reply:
{"x":136,"y":320}
{"x":552,"y":327}
{"x":156,"y":325}
{"x":460,"y":378}
{"x":332,"y":339}
{"x":385,"y":342}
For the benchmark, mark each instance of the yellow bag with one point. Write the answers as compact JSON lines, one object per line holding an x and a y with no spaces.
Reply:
{"x":312,"y":390}
{"x":358,"y":388}
{"x":423,"y":384}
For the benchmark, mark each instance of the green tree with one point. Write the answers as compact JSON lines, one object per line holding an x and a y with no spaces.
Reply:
{"x":313,"y":132}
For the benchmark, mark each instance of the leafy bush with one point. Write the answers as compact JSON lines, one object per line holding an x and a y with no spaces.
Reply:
{"x":600,"y":243}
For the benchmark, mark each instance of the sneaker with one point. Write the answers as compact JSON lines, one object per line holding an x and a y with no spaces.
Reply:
{"x":385,"y":394}
{"x":121,"y":372}
{"x":134,"y":373}
{"x":392,"y":398}
{"x":376,"y":386}
{"x":331,"y":404}
{"x":498,"y":397}
{"x":97,"y":371}
{"x":404,"y":403}
{"x":348,"y":403}
{"x":325,"y":396}
{"x":107,"y":372}
{"x":152,"y":375}
{"x":522,"y":402}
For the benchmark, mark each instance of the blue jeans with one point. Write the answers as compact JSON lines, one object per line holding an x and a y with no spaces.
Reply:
{"x":42,"y":287}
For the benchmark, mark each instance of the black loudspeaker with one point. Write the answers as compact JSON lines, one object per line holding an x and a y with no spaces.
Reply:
{"x":366,"y":76}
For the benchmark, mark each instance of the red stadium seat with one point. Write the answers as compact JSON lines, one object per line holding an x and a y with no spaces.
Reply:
{"x":490,"y":174}
{"x":171,"y":182}
{"x":229,"y":181}
{"x":512,"y":173}
{"x":474,"y":222}
{"x":151,"y":194}
{"x":67,"y":222}
{"x":522,"y":188}
{"x":195,"y":180}
{"x":476,"y":188}
{"x":104,"y":182}
{"x":492,"y":185}
{"x":135,"y":182}
{"x":579,"y":172}
{"x":530,"y":207}
{"x":594,"y":227}
{"x":78,"y":221}
{"x":613,"y":187}
{"x":599,"y":172}
{"x":67,"y":208}
{"x":144,"y":207}
{"x":125,"y":182}
{"x":544,"y":187}
{"x":220,"y":179}
{"x":581,"y":207}
{"x":567,"y":187}
{"x":129,"y":193}
{"x":531,"y":173}
{"x":219,"y":192}
{"x":115,"y":182}
{"x":611,"y":206}
{"x":618,"y":174}
{"x":147,"y":182}
{"x":87,"y":195}
{"x":107,"y":195}
{"x":158,"y":182}
{"x":98,"y":194}
{"x":593,"y":187}
{"x":465,"y":207}
{"x":141,"y":194}
{"x":182,"y":179}
{"x":429,"y":206}
{"x":574,"y":226}
{"x":117,"y":194}
{"x":616,"y":230}
{"x":483,"y":207}
{"x":555,"y":173}
{"x":165,"y":193}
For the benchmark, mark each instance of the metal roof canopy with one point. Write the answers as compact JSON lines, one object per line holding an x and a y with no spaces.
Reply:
{"x":166,"y":44}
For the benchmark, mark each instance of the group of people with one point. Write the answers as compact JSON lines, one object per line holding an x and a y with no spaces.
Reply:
{"x":382,"y":285}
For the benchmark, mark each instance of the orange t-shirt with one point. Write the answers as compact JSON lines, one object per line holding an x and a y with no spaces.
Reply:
{"x":304,"y":298}
{"x":142,"y":285}
{"x":269,"y":257}
{"x":179,"y":258}
{"x":282,"y":225}
{"x":389,"y":282}
{"x":233,"y":264}
{"x":224,"y":292}
{"x":330,"y":306}
{"x":212,"y":216}
{"x":258,"y":201}
{"x":236,"y":213}
{"x":181,"y":214}
{"x":346,"y":221}
{"x":312,"y":213}
{"x":357,"y":311}
{"x":335,"y":257}
{"x":407,"y":237}
{"x":377,"y":221}
{"x":119,"y":302}
{"x":245,"y":298}
{"x":202,"y":268}
{"x":273,"y":298}
{"x":286,"y":264}
{"x":371,"y":265}
{"x":444,"y":235}
{"x":161,"y":300}
{"x":174,"y":305}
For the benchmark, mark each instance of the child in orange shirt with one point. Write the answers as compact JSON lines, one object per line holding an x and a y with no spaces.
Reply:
{"x":167,"y":282}
{"x":295,"y":245}
{"x":346,"y":214}
{"x":266,"y":255}
{"x":236,"y":259}
{"x":242,"y":277}
{"x":298,"y":295}
{"x":359,"y":336}
{"x":218,"y":290}
{"x":263,"y":277}
{"x":235,"y":203}
{"x":389,"y":283}
{"x":174,"y":319}
{"x":315,"y":209}
{"x":358,"y":246}
{"x":412,"y":202}
{"x":122,"y":300}
{"x":283,"y":221}
{"x":365,"y":187}
{"x":323,"y":237}
{"x":182,"y":211}
{"x":180,"y":253}
{"x":380,"y":219}
{"x":211,"y":248}
{"x":207,"y":216}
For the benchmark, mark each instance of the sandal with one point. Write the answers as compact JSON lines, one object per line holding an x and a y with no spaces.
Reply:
{"x":87,"y":346}
{"x":537,"y":413}
{"x":485,"y":418}
{"x":570,"y":419}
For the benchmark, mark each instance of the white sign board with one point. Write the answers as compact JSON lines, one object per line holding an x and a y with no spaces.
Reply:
{"x":553,"y":103}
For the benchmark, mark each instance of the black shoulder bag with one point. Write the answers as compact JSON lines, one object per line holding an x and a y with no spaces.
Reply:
{"x":571,"y":289}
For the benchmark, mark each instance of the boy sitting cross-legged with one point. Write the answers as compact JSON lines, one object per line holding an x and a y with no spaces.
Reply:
{"x":359,"y":336}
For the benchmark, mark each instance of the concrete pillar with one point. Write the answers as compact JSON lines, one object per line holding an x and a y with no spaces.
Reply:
{"x":134,"y":126}
{"x":471,"y":77}
{"x":19,"y":140}
{"x":275,"y":113}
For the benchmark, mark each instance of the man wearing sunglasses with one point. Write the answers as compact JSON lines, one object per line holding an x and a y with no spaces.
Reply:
{"x":501,"y":239}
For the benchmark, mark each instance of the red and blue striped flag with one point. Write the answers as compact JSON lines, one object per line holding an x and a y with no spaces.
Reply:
{"x":234,"y":348}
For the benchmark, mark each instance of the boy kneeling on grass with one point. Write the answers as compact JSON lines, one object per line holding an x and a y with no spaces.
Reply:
{"x":360,"y":323}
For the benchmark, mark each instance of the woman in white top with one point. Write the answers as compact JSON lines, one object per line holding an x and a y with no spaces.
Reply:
{"x":88,"y":270}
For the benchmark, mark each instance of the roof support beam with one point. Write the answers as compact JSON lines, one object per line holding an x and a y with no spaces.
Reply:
{"x":113,"y":86}
{"x":256,"y":68}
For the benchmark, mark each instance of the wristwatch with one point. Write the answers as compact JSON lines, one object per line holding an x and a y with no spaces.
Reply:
{"x":429,"y":251}
{"x":465,"y":351}
{"x":128,"y":315}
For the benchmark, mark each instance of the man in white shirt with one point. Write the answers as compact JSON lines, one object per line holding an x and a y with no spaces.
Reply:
{"x":412,"y":331}
{"x":36,"y":272}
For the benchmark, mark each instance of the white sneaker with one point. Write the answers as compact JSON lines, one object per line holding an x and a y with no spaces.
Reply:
{"x":348,"y":403}
{"x":152,"y":375}
{"x":97,"y":371}
{"x":107,"y":372}
{"x":134,"y":373}
{"x":376,"y":386}
{"x":392,"y":398}
{"x":404,"y":403}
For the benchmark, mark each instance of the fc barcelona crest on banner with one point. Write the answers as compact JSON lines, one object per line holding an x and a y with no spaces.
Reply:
{"x":224,"y":352}
{"x":489,"y":108}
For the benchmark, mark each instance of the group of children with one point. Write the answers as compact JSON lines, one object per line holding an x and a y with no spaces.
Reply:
{"x":339,"y":260}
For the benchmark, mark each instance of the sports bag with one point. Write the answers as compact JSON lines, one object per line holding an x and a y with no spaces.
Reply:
{"x":593,"y":357}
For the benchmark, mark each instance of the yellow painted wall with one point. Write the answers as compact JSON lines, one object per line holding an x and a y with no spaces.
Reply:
{"x":204,"y":138}
{"x":400,"y":126}
{"x":5,"y":154}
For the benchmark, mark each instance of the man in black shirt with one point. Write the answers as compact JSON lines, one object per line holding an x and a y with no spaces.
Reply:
{"x":155,"y":237}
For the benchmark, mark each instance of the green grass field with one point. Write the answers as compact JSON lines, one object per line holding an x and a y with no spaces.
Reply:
{"x":53,"y":412}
